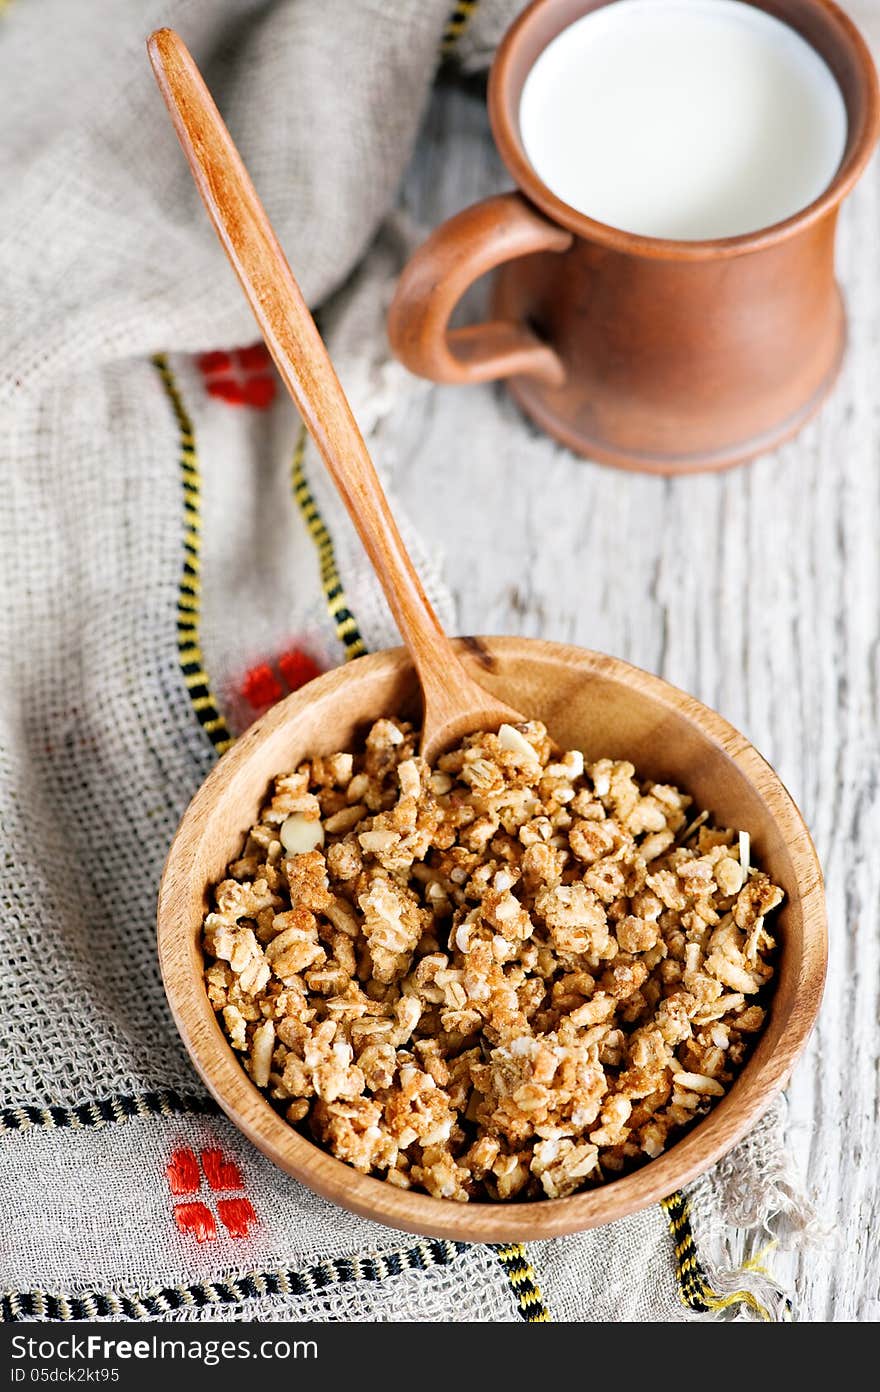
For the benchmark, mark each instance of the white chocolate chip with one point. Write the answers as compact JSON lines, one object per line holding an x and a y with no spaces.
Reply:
{"x":300,"y":834}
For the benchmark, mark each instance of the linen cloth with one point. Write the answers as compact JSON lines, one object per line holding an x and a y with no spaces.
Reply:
{"x":173,"y":561}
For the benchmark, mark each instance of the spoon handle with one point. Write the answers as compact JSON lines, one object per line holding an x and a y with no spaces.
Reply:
{"x":299,"y":352}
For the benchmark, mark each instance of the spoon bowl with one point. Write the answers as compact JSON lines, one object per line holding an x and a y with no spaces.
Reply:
{"x":591,"y":702}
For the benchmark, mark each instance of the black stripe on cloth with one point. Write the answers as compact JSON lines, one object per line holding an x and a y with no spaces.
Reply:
{"x":107,"y":1111}
{"x":375,"y":1266}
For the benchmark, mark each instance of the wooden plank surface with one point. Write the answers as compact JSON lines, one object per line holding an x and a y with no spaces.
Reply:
{"x":758,"y":590}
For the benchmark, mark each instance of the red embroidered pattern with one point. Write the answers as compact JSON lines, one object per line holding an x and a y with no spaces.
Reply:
{"x":236,"y":1215}
{"x":183,"y":1172}
{"x":196,"y":1219}
{"x":297,"y":668}
{"x":220,"y":1173}
{"x":241,"y":377}
{"x":261,"y":686}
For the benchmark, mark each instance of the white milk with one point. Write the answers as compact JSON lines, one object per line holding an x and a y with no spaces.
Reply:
{"x":687,"y":119}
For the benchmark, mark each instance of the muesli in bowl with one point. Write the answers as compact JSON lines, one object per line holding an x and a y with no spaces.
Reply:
{"x":510,"y":976}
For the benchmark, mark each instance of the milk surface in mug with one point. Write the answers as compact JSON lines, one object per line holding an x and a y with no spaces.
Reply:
{"x":685,"y":119}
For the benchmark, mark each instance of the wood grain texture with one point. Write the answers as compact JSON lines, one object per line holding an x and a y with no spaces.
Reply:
{"x":454,"y":704}
{"x":591,"y":702}
{"x":757,"y":590}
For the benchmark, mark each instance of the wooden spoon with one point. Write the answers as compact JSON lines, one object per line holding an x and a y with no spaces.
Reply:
{"x":455,"y":705}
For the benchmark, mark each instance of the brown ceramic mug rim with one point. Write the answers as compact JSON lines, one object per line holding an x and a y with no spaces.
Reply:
{"x":503,"y":100}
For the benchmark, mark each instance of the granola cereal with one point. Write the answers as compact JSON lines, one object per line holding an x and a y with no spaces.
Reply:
{"x":507,"y":976}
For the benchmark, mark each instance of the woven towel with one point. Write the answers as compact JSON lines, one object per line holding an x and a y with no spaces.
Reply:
{"x":173,"y":562}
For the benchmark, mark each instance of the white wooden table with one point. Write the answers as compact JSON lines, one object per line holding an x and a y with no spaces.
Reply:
{"x":758,"y":590}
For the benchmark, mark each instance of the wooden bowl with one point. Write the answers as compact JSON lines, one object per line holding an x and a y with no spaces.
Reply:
{"x":588,"y":701}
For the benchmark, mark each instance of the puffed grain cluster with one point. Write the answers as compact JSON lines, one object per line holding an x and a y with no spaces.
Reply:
{"x":506,"y":976}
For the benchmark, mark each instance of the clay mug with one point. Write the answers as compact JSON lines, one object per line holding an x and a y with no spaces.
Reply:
{"x":653,"y":354}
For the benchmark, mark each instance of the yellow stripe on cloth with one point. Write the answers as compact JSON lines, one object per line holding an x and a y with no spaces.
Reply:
{"x":347,"y":630}
{"x":189,"y":652}
{"x":523,"y":1282}
{"x":693,"y":1285}
{"x":456,"y":24}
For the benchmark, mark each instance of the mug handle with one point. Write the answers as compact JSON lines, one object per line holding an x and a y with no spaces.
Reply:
{"x":455,"y":255}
